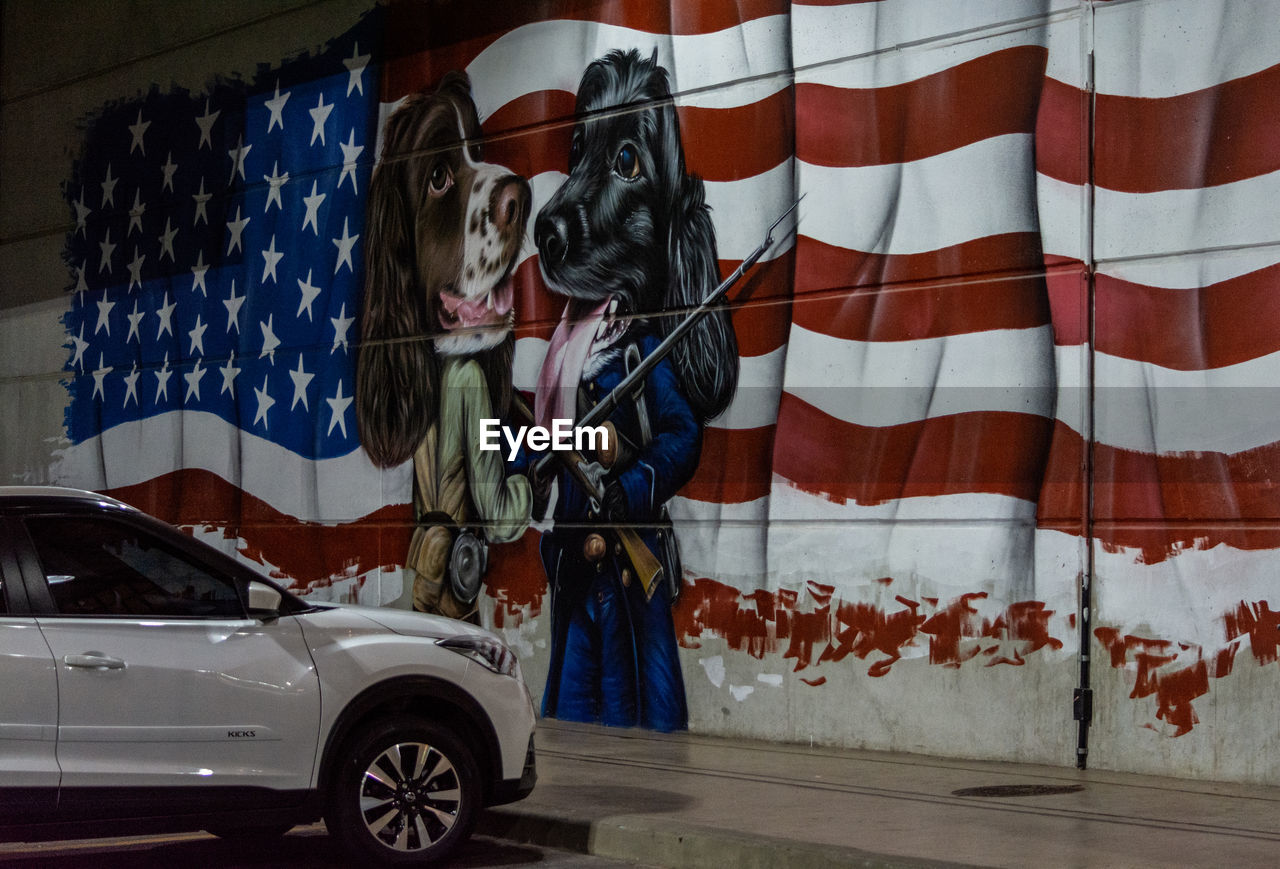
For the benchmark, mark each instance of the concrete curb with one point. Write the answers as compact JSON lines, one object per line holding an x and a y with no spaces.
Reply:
{"x":661,"y":843}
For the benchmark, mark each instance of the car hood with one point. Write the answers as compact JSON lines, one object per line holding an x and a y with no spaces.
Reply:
{"x":410,"y":623}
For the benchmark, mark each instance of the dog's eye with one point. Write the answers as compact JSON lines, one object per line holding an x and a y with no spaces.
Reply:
{"x":575,"y":152}
{"x":627,"y":163}
{"x":441,"y":178}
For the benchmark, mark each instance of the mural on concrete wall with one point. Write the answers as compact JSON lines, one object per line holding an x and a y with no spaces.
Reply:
{"x":923,"y":371}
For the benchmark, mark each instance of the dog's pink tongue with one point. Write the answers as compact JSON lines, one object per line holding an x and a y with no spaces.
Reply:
{"x":503,"y":296}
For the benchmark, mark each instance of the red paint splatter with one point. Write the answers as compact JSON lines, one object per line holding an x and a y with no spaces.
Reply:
{"x":1261,"y":624}
{"x":763,"y":622}
{"x":864,"y":628}
{"x":1173,"y":688}
{"x":946,"y":629}
{"x":516,"y":580}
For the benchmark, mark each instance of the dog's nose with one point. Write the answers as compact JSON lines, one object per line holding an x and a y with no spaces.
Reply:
{"x":551,"y":234}
{"x":509,"y":207}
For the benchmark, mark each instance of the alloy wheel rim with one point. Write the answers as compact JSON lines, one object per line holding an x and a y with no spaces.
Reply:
{"x":410,"y":796}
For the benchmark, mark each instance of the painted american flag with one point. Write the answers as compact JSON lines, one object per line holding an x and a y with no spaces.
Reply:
{"x":217,"y":264}
{"x":903,"y":473}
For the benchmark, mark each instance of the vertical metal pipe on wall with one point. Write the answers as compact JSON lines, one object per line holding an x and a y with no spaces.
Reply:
{"x":1083,"y":701}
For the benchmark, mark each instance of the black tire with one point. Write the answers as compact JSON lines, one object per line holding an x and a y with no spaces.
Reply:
{"x":406,"y":792}
{"x":248,"y":834}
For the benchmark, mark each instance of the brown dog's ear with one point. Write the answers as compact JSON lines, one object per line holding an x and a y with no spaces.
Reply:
{"x":396,"y":364}
{"x":707,"y":359}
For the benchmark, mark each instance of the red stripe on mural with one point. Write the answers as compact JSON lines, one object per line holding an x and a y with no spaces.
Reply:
{"x":739,"y":142}
{"x":735,"y":466}
{"x":1213,"y":136}
{"x":1163,"y":504}
{"x":1062,"y":133}
{"x":531,"y":135}
{"x":990,"y":96}
{"x":1217,"y":135}
{"x":983,"y":451}
{"x":1067,"y":282}
{"x":452,"y":34}
{"x":1225,"y":323}
{"x":912,"y":296}
{"x":302,"y":552}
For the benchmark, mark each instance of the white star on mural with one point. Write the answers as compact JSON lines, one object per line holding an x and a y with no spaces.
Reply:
{"x":162,"y":380}
{"x":272,"y":257}
{"x":345,"y":245}
{"x":350,"y":154}
{"x":275,"y":182}
{"x":193,"y":378}
{"x":355,"y":65}
{"x":168,"y":169}
{"x":276,"y":106}
{"x":138,"y":130}
{"x":309,"y":294}
{"x":237,"y":155}
{"x":269,"y":340}
{"x":135,"y":321}
{"x":205,"y":123}
{"x":166,"y":317}
{"x":232,"y":304}
{"x":107,"y":250}
{"x":135,"y":268}
{"x":319,"y":115}
{"x":166,"y":240}
{"x":197,"y":272}
{"x":264,"y":404}
{"x":341,"y":324}
{"x":197,"y":337}
{"x":109,"y":189}
{"x":229,"y":374}
{"x":202,"y":202}
{"x":104,"y":315}
{"x":338,"y":404}
{"x":131,"y":386}
{"x":301,"y":379}
{"x":99,"y":379}
{"x":135,"y":213}
{"x":313,"y":209}
{"x":79,"y":345}
{"x":236,"y":228}
{"x":82,"y":213}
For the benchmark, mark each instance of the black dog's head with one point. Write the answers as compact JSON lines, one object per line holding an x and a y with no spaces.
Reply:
{"x":631,"y":222}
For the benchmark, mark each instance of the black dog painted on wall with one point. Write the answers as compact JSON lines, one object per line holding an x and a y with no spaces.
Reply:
{"x":628,"y":239}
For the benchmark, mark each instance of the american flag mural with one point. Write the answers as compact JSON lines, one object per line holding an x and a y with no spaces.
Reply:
{"x":1020,"y":337}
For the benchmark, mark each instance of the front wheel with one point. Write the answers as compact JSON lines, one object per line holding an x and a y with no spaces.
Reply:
{"x":406,"y":792}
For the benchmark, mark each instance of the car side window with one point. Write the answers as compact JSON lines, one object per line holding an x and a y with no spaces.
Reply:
{"x":100,"y":567}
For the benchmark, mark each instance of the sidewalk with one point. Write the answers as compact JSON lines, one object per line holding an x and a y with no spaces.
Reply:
{"x":693,"y":801}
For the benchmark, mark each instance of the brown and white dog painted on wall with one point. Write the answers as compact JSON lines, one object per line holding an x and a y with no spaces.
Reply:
{"x":443,"y":233}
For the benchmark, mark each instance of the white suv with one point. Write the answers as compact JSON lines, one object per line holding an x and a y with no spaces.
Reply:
{"x":150,"y":682}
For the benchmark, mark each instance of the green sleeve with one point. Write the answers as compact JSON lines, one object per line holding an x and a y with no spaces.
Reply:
{"x":503,"y":503}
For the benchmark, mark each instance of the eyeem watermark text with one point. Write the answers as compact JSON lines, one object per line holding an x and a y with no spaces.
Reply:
{"x":562,"y":435}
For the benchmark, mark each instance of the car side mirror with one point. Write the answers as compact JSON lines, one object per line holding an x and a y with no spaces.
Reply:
{"x":263,"y":599}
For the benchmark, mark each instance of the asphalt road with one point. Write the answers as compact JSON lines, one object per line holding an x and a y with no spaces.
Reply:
{"x":307,"y":847}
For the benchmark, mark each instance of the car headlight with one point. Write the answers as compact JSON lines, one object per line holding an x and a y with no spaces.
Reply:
{"x":492,"y":653}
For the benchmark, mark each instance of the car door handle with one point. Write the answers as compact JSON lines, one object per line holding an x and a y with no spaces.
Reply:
{"x":94,"y":661}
